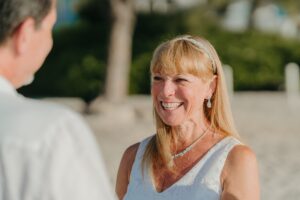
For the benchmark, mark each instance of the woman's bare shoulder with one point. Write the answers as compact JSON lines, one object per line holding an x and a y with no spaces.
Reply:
{"x":240,"y":173}
{"x":130,"y":153}
{"x":128,"y":158}
{"x":241,"y":156}
{"x":124,"y":171}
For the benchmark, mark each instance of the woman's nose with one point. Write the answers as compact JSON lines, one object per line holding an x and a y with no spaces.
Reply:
{"x":169,"y":88}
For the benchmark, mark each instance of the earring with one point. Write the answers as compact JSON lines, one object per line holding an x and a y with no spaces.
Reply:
{"x":208,"y":104}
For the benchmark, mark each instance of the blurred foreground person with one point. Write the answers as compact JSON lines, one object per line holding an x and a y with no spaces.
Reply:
{"x":195,"y":153}
{"x":46,"y":151}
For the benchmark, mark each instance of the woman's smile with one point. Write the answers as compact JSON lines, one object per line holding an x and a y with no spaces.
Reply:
{"x":170,"y":105}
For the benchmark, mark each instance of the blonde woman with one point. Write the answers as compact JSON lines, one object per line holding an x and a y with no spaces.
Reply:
{"x":195,"y":153}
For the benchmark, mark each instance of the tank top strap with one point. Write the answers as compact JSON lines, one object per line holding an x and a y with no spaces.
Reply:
{"x":143,"y":145}
{"x":229,"y":144}
{"x":214,"y":161}
{"x":136,"y":171}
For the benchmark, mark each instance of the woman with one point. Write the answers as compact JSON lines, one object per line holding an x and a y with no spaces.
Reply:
{"x":195,"y":153}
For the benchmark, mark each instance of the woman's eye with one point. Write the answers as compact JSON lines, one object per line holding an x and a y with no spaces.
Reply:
{"x":157,"y":78}
{"x":179,"y":80}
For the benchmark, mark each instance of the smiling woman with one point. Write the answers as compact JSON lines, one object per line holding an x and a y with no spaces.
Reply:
{"x":196,"y":152}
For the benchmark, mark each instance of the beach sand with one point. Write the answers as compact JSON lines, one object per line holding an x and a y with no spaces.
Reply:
{"x":265,"y":121}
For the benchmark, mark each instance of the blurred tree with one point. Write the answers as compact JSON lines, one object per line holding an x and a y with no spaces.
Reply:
{"x":119,"y":17}
{"x":172,"y":5}
{"x":151,"y":4}
{"x":120,"y":48}
{"x":94,"y":11}
{"x":219,"y":5}
{"x":254,"y":5}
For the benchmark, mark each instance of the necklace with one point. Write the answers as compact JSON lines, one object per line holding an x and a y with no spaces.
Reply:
{"x":187,"y":149}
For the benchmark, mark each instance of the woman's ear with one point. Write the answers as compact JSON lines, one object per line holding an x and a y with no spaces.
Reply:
{"x":212,"y":86}
{"x":23,"y":34}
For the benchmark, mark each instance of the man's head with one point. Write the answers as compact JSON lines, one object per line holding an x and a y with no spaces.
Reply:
{"x":14,"y":12}
{"x":25,"y":37}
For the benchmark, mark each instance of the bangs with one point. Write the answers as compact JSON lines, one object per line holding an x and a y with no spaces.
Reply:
{"x":180,"y":57}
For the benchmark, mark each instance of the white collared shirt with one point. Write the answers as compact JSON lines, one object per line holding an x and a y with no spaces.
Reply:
{"x":47,"y":152}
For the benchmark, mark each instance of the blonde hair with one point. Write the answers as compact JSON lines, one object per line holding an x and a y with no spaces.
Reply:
{"x":192,"y":55}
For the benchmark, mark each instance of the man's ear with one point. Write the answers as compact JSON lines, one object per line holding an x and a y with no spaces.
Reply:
{"x":23,"y":35}
{"x":212,"y":86}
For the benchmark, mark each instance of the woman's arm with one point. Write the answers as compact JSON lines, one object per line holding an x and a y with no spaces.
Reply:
{"x":125,"y":170}
{"x":239,"y":177}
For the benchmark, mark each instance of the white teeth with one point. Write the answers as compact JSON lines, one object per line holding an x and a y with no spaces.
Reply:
{"x":170,"y":106}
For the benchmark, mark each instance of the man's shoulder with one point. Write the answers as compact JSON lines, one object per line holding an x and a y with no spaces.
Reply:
{"x":38,"y":109}
{"x":27,"y":118}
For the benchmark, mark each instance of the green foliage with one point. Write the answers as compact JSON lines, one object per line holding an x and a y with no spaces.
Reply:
{"x":77,"y":64}
{"x":86,"y":75}
{"x":257,"y":59}
{"x":140,"y":75}
{"x":94,"y":11}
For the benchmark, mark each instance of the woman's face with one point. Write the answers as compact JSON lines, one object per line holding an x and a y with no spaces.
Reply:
{"x":179,"y":98}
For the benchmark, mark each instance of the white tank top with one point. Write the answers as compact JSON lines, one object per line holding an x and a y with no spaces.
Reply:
{"x":201,"y":182}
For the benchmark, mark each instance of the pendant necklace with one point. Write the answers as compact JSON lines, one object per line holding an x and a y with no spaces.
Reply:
{"x":187,"y":149}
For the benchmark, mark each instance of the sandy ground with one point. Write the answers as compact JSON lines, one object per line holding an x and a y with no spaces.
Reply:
{"x":266,"y":122}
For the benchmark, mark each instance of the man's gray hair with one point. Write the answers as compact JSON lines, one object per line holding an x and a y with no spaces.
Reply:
{"x":14,"y":12}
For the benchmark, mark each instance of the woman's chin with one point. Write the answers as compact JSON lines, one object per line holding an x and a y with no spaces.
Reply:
{"x":172,"y":122}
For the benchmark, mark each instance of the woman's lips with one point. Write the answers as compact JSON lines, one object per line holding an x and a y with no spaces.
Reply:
{"x":170,"y":105}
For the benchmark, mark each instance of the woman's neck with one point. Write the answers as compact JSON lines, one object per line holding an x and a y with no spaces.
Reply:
{"x":189,"y":132}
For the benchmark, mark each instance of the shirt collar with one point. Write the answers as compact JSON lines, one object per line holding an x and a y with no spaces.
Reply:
{"x":6,"y":87}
